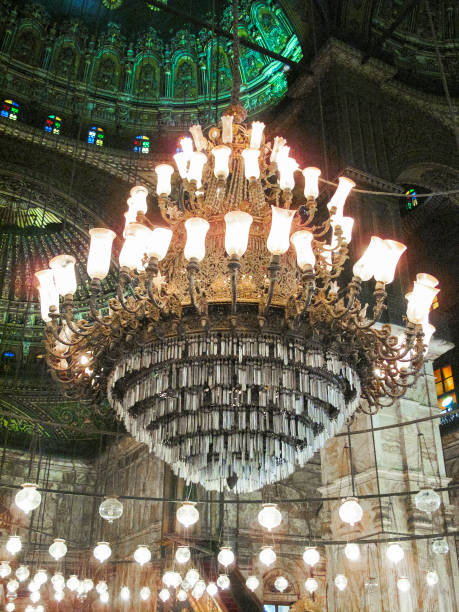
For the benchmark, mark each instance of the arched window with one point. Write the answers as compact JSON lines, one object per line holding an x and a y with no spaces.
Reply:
{"x":142,"y":144}
{"x":10,"y":109}
{"x":53,"y":124}
{"x":96,"y":136}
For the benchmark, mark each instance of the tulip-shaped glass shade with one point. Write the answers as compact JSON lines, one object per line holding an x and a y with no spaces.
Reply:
{"x":197,"y":162}
{"x":346,"y":224}
{"x":251,"y":165}
{"x":427,"y":279}
{"x":339,"y":197}
{"x":221,"y":165}
{"x":420,"y":301}
{"x":73,"y":583}
{"x":385,"y":269}
{"x":302,"y":241}
{"x":58,"y":549}
{"x":252,"y":583}
{"x":58,"y":581}
{"x":49,"y":295}
{"x":187,"y":146}
{"x":134,"y":247}
{"x":278,"y":143}
{"x":28,"y":498}
{"x":365,"y":267}
{"x":256,"y":134}
{"x":158,"y":243}
{"x":199,"y":141}
{"x":279,"y":236}
{"x":227,"y":129}
{"x":63,"y":267}
{"x":164,"y":173}
{"x":181,"y":160}
{"x":100,"y":251}
{"x":238,"y":225}
{"x":138,"y":199}
{"x":287,"y":167}
{"x":125,"y":593}
{"x":196,"y":230}
{"x":429,"y":331}
{"x":311,"y":183}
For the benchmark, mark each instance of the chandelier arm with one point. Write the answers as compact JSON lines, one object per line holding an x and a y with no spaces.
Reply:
{"x":311,"y":206}
{"x":68,"y":317}
{"x":380,"y":295}
{"x":96,"y":287}
{"x":124,"y":278}
{"x":234,"y":266}
{"x":320,"y":230}
{"x":152,"y":271}
{"x":354,"y":289}
{"x":199,"y":305}
{"x":308,"y":287}
{"x":51,"y":329}
{"x":273,"y":269}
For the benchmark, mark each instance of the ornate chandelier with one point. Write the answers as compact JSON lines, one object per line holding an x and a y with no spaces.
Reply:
{"x":231,"y":355}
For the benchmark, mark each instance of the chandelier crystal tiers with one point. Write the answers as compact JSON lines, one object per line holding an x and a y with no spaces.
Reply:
{"x":232,"y":348}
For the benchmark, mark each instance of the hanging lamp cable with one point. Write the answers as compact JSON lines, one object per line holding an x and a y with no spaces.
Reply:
{"x":235,"y":74}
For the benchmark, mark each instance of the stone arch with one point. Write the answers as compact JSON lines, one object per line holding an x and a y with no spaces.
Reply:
{"x":270,"y":26}
{"x":271,"y":594}
{"x":106,"y":71}
{"x":66,"y":59}
{"x":219,"y":56}
{"x":27,"y":45}
{"x":252,"y":63}
{"x":147,"y":78}
{"x":185,"y":79}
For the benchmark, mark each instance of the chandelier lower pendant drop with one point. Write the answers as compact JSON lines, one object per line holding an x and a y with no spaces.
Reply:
{"x":233,"y":359}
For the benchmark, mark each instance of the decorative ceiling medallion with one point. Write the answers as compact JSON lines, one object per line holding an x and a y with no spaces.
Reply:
{"x":112,"y":4}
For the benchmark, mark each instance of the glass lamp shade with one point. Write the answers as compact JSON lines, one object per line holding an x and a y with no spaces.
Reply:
{"x":311,"y":183}
{"x":192,"y":576}
{"x":278,"y":143}
{"x":440,"y":546}
{"x":311,"y":556}
{"x":311,"y":585}
{"x":100,"y":251}
{"x":58,"y":581}
{"x":138,"y":200}
{"x":197,"y":162}
{"x":102,"y":551}
{"x":5,"y":569}
{"x":58,"y":549}
{"x":429,"y":331}
{"x":385,"y":268}
{"x":225,"y":556}
{"x":346,"y":224}
{"x":125,"y":593}
{"x":199,"y":141}
{"x":158,"y":243}
{"x":269,"y":516}
{"x":13,"y":545}
{"x":395,"y":553}
{"x":73,"y":583}
{"x":221,"y":161}
{"x":267,"y":556}
{"x":10,"y":607}
{"x":427,"y":500}
{"x":199,"y":587}
{"x":338,"y":199}
{"x":22,"y":573}
{"x":432,"y":578}
{"x":251,"y":165}
{"x":164,"y":173}
{"x":427,"y":279}
{"x":63,"y":267}
{"x":223,"y":582}
{"x":287,"y":167}
{"x":104,"y":597}
{"x":88,"y":585}
{"x":164,"y":595}
{"x":281,"y":583}
{"x":196,"y":231}
{"x":47,"y":290}
{"x":350,"y":511}
{"x":181,"y":595}
{"x":256,"y":134}
{"x":420,"y":300}
{"x":181,"y":161}
{"x":352,"y":551}
{"x":28,"y":498}
{"x":187,"y":146}
{"x":186,"y":586}
{"x":197,"y":593}
{"x":278,"y":239}
{"x":341,"y":582}
{"x":172,"y":579}
{"x":35,"y":596}
{"x":101,"y":586}
{"x":302,"y":241}
{"x":227,"y":129}
{"x":41,"y":577}
{"x":237,"y":231}
{"x":145,"y":593}
{"x":142,"y":555}
{"x":182,"y":554}
{"x":252,"y":583}
{"x":134,"y":248}
{"x":111,"y":509}
{"x":212,"y":589}
{"x":403,"y":584}
{"x":365,"y":267}
{"x":12,"y":586}
{"x":33,"y":586}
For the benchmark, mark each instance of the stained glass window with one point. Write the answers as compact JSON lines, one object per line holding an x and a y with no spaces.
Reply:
{"x":53,"y":124}
{"x":10,"y":109}
{"x":142,"y":144}
{"x":444,"y":385}
{"x":96,"y":136}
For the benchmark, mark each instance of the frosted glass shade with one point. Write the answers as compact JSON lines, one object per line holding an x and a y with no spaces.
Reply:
{"x":251,"y":165}
{"x":350,"y":511}
{"x":28,"y":498}
{"x":88,"y":585}
{"x":352,"y":551}
{"x":346,"y":224}
{"x":58,"y":549}
{"x":101,"y":586}
{"x":63,"y":267}
{"x":403,"y":584}
{"x":102,"y":551}
{"x":182,"y":554}
{"x":278,"y":143}
{"x":73,"y":583}
{"x":341,"y":582}
{"x":281,"y":583}
{"x":172,"y":579}
{"x":267,"y":556}
{"x":199,"y":141}
{"x":386,"y":264}
{"x":134,"y":247}
{"x":238,"y":225}
{"x":13,"y":544}
{"x":49,"y":295}
{"x":279,"y":235}
{"x":269,"y":516}
{"x":302,"y":241}
{"x":225,"y":556}
{"x":104,"y":597}
{"x":212,"y":589}
{"x":432,"y":578}
{"x":145,"y":593}
{"x":138,"y":199}
{"x":221,"y":161}
{"x":41,"y":577}
{"x":22,"y":573}
{"x":311,"y":183}
{"x":287,"y":167}
{"x":197,"y":162}
{"x":192,"y":576}
{"x":187,"y":514}
{"x":427,"y":279}
{"x":142,"y":555}
{"x":58,"y":581}
{"x":164,"y":173}
{"x":164,"y":595}
{"x":111,"y":509}
{"x":227,"y":129}
{"x":395,"y":553}
{"x":427,"y":500}
{"x":429,"y":331}
{"x":12,"y":585}
{"x":158,"y":243}
{"x":252,"y":583}
{"x":365,"y":267}
{"x":311,"y":585}
{"x":256,"y":134}
{"x":10,"y":607}
{"x":311,"y":556}
{"x":420,"y":300}
{"x":35,"y":597}
{"x":181,"y":161}
{"x":196,"y":231}
{"x":181,"y":595}
{"x":5,"y":569}
{"x":223,"y":582}
{"x":338,"y":199}
{"x":440,"y":546}
{"x":100,"y":251}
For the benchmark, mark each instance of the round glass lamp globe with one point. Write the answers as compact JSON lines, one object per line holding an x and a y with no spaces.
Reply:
{"x":41,"y":577}
{"x":403,"y":584}
{"x":267,"y":556}
{"x":186,"y":586}
{"x":145,"y":593}
{"x":22,"y":573}
{"x":212,"y":589}
{"x":181,"y":595}
{"x":281,"y":583}
{"x":28,"y":498}
{"x":13,"y":545}
{"x":101,"y":587}
{"x":58,"y":581}
{"x":73,"y":583}
{"x":29,"y":609}
{"x":33,"y":586}
{"x":252,"y":583}
{"x":427,"y":500}
{"x":59,"y":595}
{"x":223,"y":582}
{"x":10,"y":607}
{"x":12,"y":586}
{"x":395,"y":553}
{"x":225,"y":556}
{"x":200,"y":586}
{"x":269,"y":516}
{"x":432,"y":578}
{"x":440,"y":546}
{"x":58,"y":549}
{"x":350,"y":511}
{"x":142,"y":555}
{"x":164,"y":594}
{"x":311,"y":556}
{"x":187,"y":514}
{"x":352,"y":551}
{"x":40,"y":608}
{"x":172,"y":579}
{"x":311,"y":585}
{"x":182,"y":554}
{"x":104,"y":597}
{"x":111,"y":509}
{"x":125,"y":593}
{"x":192,"y":576}
{"x":35,"y":596}
{"x":5,"y":569}
{"x":341,"y":582}
{"x":197,"y":593}
{"x":88,"y":585}
{"x":102,"y":551}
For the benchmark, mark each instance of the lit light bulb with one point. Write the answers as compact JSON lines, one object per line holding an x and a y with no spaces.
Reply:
{"x":352,"y":551}
{"x":256,"y":134}
{"x":269,"y":516}
{"x":225,"y":556}
{"x":49,"y":295}
{"x":12,"y":586}
{"x":427,"y":500}
{"x":365,"y":267}
{"x":28,"y":498}
{"x":395,"y":553}
{"x":101,"y":586}
{"x":58,"y":549}
{"x":432,"y":578}
{"x":252,"y":583}
{"x":111,"y":509}
{"x":59,"y":595}
{"x":158,"y":243}
{"x":142,"y":555}
{"x":338,"y":199}
{"x":182,"y":554}
{"x":102,"y":551}
{"x":212,"y":589}
{"x":73,"y":583}
{"x":302,"y":241}
{"x":63,"y":267}
{"x":181,"y":595}
{"x":341,"y":582}
{"x":172,"y":579}
{"x":311,"y":585}
{"x":223,"y":582}
{"x":311,"y":556}
{"x":182,"y":161}
{"x":421,"y":298}
{"x":22,"y":573}
{"x":5,"y":569}
{"x":88,"y":585}
{"x":41,"y":577}
{"x":164,"y":595}
{"x":403,"y":584}
{"x":33,"y":586}
{"x":311,"y":183}
{"x":125,"y":593}
{"x":221,"y":161}
{"x":196,"y":231}
{"x":440,"y":546}
{"x":187,"y":146}
{"x":164,"y":173}
{"x":58,"y":581}
{"x":385,"y":266}
{"x":10,"y":607}
{"x":145,"y":593}
{"x":267,"y":556}
{"x":192,"y":576}
{"x":13,"y":545}
{"x":237,"y":231}
{"x":187,"y":514}
{"x":197,"y":162}
{"x":281,"y":583}
{"x":350,"y":511}
{"x":100,"y":251}
{"x":287,"y":167}
{"x":251,"y":165}
{"x":279,"y":235}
